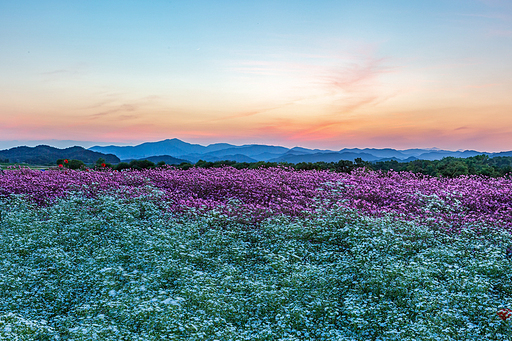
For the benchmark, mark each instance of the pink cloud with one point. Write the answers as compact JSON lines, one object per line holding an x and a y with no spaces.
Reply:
{"x":359,"y":75}
{"x":344,"y":84}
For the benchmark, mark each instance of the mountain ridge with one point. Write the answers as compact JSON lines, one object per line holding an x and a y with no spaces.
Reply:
{"x":175,"y":151}
{"x":270,"y":153}
{"x":46,"y":155}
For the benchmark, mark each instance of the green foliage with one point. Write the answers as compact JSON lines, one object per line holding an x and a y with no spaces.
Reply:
{"x":76,"y":164}
{"x":71,"y":164}
{"x":141,"y":164}
{"x":340,"y":166}
{"x":446,"y":167}
{"x":122,"y":165}
{"x":452,"y":167}
{"x":102,"y":164}
{"x":185,"y":165}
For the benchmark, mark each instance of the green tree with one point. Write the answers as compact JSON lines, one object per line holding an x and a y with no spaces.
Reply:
{"x":185,"y":165}
{"x":360,"y":163}
{"x":453,"y":168}
{"x":76,"y":164}
{"x":141,"y":164}
{"x":204,"y":164}
{"x":102,"y":164}
{"x":122,"y":165}
{"x":71,"y":164}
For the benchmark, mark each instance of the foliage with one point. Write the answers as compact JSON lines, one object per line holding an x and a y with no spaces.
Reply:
{"x":447,"y":167}
{"x":71,"y":164}
{"x":101,"y":164}
{"x":122,"y":165}
{"x":340,"y":166}
{"x":138,"y":165}
{"x":141,"y":164}
{"x":452,"y":167}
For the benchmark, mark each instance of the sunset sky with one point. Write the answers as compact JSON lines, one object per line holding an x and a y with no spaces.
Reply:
{"x":317,"y":74}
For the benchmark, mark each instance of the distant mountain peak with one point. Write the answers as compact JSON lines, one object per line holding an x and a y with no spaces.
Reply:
{"x":182,"y":150}
{"x":221,"y":151}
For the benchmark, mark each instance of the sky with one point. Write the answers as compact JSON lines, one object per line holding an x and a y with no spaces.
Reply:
{"x":317,"y":74}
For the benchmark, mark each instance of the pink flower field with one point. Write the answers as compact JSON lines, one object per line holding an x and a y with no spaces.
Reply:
{"x":251,"y":196}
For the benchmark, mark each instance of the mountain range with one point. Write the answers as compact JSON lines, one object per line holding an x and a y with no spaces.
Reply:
{"x":257,"y":152}
{"x":175,"y":151}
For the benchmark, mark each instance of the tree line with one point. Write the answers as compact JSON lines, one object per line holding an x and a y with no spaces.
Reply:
{"x":452,"y":167}
{"x":446,"y":167}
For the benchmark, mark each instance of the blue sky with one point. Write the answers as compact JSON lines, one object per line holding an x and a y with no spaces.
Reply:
{"x":322,"y":74}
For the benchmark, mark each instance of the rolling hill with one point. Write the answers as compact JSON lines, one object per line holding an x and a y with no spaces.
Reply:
{"x":46,"y":155}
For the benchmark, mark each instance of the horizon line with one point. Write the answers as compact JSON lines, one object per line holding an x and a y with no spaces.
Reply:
{"x":69,"y":143}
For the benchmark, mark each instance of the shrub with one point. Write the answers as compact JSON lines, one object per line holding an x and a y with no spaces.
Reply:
{"x":141,"y":164}
{"x":122,"y":165}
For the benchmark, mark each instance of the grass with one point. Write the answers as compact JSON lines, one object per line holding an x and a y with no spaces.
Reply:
{"x":36,"y":167}
{"x":103,"y":269}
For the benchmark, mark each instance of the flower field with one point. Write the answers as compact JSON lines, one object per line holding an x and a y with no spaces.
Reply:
{"x":254,"y":195}
{"x":265,"y":254}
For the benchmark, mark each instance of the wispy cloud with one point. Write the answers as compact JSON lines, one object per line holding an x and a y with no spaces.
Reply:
{"x":354,"y":75}
{"x":251,"y":113}
{"x":339,"y":120}
{"x":119,"y":108}
{"x":70,"y":72}
{"x":343,"y":82}
{"x":127,"y":110}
